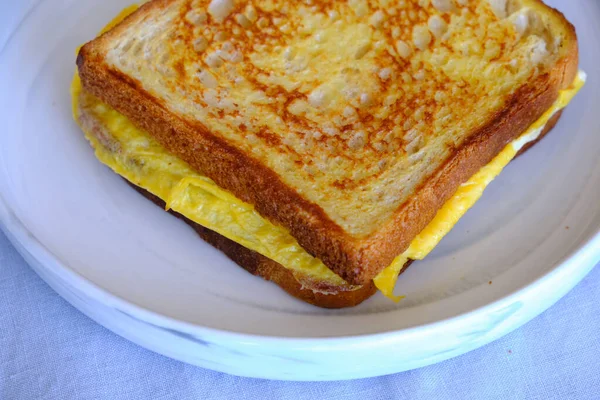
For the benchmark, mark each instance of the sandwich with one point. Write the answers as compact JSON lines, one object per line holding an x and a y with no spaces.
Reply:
{"x":323,"y":146}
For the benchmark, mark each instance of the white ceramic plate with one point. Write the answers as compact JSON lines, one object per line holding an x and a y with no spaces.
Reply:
{"x":147,"y":276}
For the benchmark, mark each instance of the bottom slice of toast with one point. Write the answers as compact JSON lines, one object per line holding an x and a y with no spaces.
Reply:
{"x":270,"y":270}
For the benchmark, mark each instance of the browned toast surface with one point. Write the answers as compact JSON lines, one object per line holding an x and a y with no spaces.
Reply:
{"x":388,"y":166}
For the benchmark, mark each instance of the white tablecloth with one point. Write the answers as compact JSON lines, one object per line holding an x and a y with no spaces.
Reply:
{"x":49,"y":350}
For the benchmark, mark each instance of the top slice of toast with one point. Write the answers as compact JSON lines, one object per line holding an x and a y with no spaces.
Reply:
{"x":348,"y":122}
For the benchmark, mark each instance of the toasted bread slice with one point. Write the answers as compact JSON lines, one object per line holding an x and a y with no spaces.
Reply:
{"x":318,"y":293}
{"x":350,"y":124}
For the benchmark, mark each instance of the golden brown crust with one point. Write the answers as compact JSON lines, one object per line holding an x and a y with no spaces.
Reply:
{"x":357,"y":260}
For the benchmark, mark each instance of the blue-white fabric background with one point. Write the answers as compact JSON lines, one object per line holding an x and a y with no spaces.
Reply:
{"x":49,"y":350}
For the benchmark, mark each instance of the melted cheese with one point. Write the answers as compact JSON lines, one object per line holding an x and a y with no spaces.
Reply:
{"x":141,"y":160}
